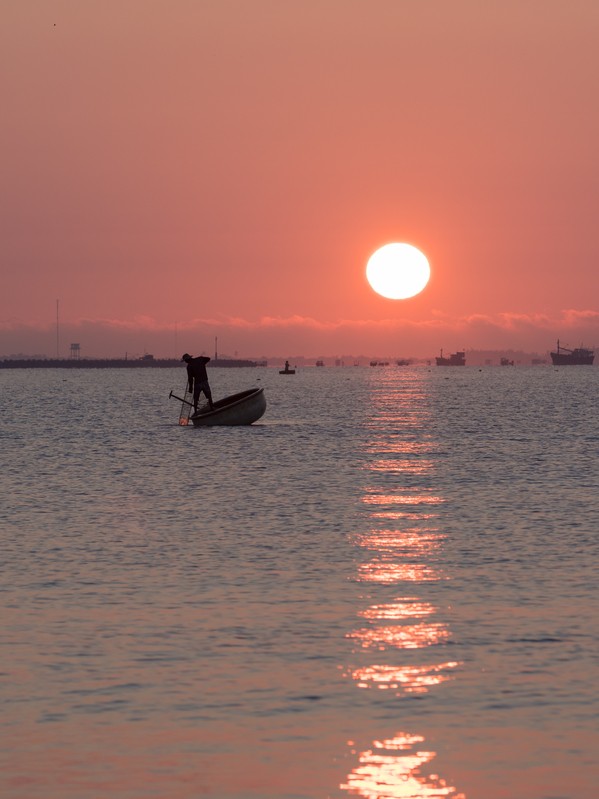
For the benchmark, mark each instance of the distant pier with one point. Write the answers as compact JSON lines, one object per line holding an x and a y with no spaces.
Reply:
{"x":115,"y":363}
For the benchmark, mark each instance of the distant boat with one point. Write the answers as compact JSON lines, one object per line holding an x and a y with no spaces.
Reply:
{"x":457,"y":359}
{"x":506,"y":362}
{"x":581,"y":356}
{"x":286,"y":370}
{"x":319,"y":363}
{"x":403,"y":362}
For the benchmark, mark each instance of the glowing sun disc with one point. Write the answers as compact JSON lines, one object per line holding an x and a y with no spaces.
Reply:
{"x":398,"y":271}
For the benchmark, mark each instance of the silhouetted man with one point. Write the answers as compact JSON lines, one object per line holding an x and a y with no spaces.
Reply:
{"x":197,"y":378}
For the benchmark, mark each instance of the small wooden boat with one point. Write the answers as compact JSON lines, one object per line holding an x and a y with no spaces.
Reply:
{"x":286,"y":370}
{"x":243,"y":408}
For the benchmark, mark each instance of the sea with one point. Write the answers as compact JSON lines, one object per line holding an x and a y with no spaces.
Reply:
{"x":386,"y":588}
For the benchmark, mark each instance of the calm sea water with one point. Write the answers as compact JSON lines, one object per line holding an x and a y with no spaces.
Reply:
{"x":386,"y":588}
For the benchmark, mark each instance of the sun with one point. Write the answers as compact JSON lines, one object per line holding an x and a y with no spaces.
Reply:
{"x":398,"y":271}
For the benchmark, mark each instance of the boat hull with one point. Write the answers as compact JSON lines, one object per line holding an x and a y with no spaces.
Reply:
{"x":452,"y":361}
{"x":567,"y":359}
{"x":238,"y":409}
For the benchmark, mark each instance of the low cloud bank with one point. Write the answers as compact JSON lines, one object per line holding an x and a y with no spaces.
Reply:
{"x":278,"y":337}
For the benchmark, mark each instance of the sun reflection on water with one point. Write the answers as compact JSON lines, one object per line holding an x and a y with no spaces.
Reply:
{"x":392,"y":541}
{"x":415,"y":467}
{"x":404,"y":608}
{"x":385,"y":572}
{"x":401,"y":495}
{"x":413,"y":636}
{"x":393,"y":769}
{"x":384,"y":446}
{"x":402,"y":514}
{"x":402,"y":499}
{"x":403,"y":679}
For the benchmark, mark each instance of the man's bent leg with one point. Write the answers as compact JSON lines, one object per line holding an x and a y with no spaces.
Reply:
{"x":208,"y":393}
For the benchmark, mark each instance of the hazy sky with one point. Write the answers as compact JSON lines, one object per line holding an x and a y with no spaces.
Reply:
{"x":175,"y":170}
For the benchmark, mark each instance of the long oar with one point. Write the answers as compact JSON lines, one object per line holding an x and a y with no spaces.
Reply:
{"x":180,"y":399}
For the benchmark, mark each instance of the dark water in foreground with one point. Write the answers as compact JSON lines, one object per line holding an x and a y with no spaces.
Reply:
{"x":385,"y":588}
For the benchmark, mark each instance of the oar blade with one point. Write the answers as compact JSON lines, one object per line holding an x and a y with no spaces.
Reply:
{"x":186,"y":407}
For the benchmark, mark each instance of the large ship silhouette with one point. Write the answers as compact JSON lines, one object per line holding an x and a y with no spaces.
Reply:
{"x":457,"y":359}
{"x":581,"y":356}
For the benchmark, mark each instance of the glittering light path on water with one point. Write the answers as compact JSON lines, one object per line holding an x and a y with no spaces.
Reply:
{"x":397,"y":549}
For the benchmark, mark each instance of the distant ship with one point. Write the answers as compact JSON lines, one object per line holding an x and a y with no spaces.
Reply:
{"x":577,"y":357}
{"x":506,"y":362}
{"x":457,"y":359}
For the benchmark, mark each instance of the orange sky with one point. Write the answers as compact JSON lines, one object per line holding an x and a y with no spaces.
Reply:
{"x":172,"y":171}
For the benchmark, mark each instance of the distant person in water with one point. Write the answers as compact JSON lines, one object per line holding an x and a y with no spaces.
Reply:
{"x":198,"y":379}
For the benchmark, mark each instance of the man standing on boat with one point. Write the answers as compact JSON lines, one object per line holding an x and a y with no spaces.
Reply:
{"x":198,"y":379}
